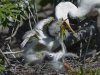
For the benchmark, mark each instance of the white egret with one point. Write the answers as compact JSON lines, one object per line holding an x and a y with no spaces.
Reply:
{"x":85,"y":8}
{"x":57,"y":58}
{"x":40,"y":32}
{"x":37,"y":41}
{"x":62,"y":10}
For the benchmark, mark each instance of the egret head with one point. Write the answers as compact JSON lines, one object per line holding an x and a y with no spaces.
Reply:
{"x":48,"y":57}
{"x":54,"y":59}
{"x":64,"y":8}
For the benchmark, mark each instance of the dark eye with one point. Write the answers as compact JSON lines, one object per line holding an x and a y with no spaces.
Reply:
{"x":50,"y":56}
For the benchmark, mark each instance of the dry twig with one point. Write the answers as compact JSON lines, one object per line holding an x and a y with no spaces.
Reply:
{"x":5,"y":57}
{"x":18,"y":26}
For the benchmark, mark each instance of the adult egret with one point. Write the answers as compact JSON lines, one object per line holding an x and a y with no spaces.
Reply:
{"x":62,"y":10}
{"x":85,"y":8}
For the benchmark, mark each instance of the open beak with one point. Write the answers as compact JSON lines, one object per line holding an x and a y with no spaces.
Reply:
{"x":67,"y":26}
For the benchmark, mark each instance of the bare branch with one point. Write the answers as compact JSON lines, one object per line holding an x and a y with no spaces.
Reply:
{"x":13,"y":52}
{"x":5,"y":57}
{"x":30,"y":22}
{"x":10,"y":50}
{"x":21,"y":22}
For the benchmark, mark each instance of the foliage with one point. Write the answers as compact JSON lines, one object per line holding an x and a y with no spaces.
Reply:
{"x":12,"y":10}
{"x":2,"y":67}
{"x":88,"y":71}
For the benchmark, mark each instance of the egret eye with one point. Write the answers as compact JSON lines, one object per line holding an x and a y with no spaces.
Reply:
{"x":50,"y":55}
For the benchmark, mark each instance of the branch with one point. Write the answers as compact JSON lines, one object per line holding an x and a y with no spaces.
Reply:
{"x":5,"y":57}
{"x":13,"y":52}
{"x":21,"y":22}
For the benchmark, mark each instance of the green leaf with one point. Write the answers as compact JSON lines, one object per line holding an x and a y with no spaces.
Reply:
{"x":2,"y":16}
{"x":82,"y":70}
{"x":97,"y":72}
{"x":15,"y":11}
{"x":23,"y":17}
{"x":9,"y":6}
{"x":2,"y":67}
{"x":25,"y":13}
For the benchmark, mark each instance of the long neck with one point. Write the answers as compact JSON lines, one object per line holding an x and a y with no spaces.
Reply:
{"x":62,"y":46}
{"x":82,"y":10}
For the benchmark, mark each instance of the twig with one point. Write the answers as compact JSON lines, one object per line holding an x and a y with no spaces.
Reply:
{"x":88,"y":45}
{"x":98,"y":53}
{"x":30,"y":22}
{"x":35,"y":10}
{"x":13,"y":52}
{"x":21,"y":22}
{"x":32,"y":14}
{"x":13,"y":29}
{"x":5,"y":57}
{"x":81,"y":45}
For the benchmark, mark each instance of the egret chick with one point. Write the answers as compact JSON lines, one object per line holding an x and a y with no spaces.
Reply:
{"x":57,"y":59}
{"x":37,"y":41}
{"x":40,"y":32}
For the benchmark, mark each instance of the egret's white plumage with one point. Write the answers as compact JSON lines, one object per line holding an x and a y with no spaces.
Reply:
{"x":58,"y":57}
{"x":85,"y":6}
{"x":27,"y":36}
{"x":37,"y":41}
{"x":62,"y":10}
{"x":40,"y":33}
